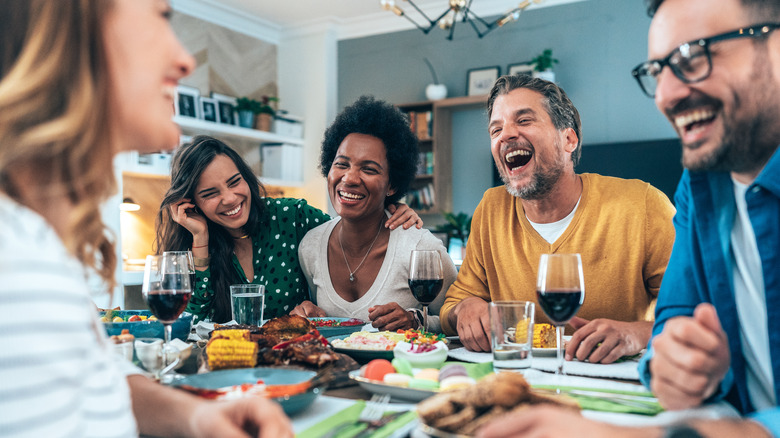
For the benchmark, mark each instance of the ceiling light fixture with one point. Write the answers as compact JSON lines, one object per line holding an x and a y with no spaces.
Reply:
{"x":458,"y":10}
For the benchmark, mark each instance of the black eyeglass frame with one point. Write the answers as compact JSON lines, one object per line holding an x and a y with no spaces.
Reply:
{"x":755,"y":31}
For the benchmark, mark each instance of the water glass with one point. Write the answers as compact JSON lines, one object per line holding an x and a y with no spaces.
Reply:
{"x":247,"y":302}
{"x":511,"y":334}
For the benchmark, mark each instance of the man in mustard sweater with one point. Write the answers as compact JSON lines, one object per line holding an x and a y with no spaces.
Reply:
{"x":622,"y":228}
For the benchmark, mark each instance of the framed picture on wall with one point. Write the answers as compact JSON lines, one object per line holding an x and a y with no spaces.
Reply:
{"x":208,"y":109}
{"x":524,"y":67}
{"x":187,"y":102}
{"x":480,"y":80}
{"x":226,"y":108}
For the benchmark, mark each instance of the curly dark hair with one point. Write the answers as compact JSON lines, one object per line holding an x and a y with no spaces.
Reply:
{"x":758,"y":9}
{"x":559,"y":107}
{"x":386,"y":122}
{"x":189,"y":162}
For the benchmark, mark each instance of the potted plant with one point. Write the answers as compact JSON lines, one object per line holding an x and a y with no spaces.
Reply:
{"x":265,"y":113}
{"x":456,"y":227}
{"x":543,"y":64}
{"x":247,"y":109}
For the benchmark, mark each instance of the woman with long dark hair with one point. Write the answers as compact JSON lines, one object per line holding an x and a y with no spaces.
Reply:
{"x":216,"y":207}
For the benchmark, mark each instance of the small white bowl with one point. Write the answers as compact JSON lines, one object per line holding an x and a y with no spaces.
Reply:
{"x":429,"y":359}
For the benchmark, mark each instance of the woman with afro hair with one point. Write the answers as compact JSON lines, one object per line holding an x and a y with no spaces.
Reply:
{"x":355,"y":267}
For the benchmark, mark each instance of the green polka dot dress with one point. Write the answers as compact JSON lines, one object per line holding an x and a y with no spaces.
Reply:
{"x":275,"y":258}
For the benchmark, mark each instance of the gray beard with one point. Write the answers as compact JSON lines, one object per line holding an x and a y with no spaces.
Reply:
{"x":540,"y":186}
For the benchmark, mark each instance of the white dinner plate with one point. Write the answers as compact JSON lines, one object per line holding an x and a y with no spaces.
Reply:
{"x":396,"y":392}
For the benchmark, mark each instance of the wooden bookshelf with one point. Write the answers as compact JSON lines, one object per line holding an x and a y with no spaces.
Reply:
{"x":439,"y":143}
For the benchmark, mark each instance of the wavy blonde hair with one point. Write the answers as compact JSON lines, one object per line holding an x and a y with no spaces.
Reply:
{"x":55,"y":117}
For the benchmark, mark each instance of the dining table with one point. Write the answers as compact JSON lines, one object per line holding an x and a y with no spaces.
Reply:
{"x":606,"y":392}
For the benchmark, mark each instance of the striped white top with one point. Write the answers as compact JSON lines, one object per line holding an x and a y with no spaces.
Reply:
{"x":57,"y":374}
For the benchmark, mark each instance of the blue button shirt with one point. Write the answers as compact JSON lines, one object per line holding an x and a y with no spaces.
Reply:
{"x":700,"y":270}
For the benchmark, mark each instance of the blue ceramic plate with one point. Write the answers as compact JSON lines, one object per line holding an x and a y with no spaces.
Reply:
{"x":361,"y":355}
{"x":271,"y":376}
{"x":149,"y":329}
{"x":337,"y":331}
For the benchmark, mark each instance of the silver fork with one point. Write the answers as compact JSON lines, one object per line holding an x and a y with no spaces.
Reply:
{"x":373,"y":411}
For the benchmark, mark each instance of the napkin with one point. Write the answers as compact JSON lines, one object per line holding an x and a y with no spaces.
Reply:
{"x":351,"y":414}
{"x":626,"y":369}
{"x":596,"y":402}
{"x":470,"y":356}
{"x":619,"y":370}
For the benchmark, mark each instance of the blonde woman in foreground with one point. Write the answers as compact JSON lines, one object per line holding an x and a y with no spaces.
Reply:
{"x":80,"y":81}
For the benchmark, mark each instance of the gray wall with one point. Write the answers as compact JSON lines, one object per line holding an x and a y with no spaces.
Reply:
{"x":598,"y":42}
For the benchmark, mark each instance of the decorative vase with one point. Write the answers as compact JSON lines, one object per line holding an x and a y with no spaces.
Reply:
{"x":547,"y":75}
{"x":264,"y":122}
{"x":246,"y":119}
{"x":436,"y":91}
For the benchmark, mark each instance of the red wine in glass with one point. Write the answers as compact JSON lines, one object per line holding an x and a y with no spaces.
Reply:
{"x":167,"y":290}
{"x":560,"y":305}
{"x":560,"y":290}
{"x":426,"y":290}
{"x":425,"y":279}
{"x":167,"y":305}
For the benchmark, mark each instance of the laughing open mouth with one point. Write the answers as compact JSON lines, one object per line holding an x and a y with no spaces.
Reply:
{"x":517,"y":158}
{"x":691,"y":121}
{"x":233,"y":212}
{"x":351,"y":196}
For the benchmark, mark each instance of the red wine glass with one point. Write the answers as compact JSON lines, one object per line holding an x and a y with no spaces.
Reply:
{"x":167,"y":290}
{"x":425,"y":279}
{"x":560,"y":289}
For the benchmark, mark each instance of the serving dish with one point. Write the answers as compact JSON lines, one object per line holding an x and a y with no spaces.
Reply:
{"x":358,"y":354}
{"x":338,"y":330}
{"x":148,"y":329}
{"x":428,"y":359}
{"x":397,"y":392}
{"x":291,"y":404}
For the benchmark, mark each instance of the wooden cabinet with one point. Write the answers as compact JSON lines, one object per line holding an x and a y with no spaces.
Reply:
{"x":431,"y":190}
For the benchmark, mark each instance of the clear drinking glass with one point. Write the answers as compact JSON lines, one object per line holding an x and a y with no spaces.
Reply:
{"x":560,"y":289}
{"x":511,"y":334}
{"x":425,"y":278}
{"x":167,"y":290}
{"x":247,"y":302}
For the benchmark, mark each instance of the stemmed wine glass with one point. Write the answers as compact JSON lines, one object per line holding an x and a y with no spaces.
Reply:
{"x":190,"y":263}
{"x":167,"y":290}
{"x":560,"y":288}
{"x":425,"y":278}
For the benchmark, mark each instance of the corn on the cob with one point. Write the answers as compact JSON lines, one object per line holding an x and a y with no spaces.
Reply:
{"x":225,"y":352}
{"x":544,"y":336}
{"x":231,"y":334}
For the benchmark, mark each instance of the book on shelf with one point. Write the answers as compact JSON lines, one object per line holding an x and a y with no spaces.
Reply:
{"x":422,"y":198}
{"x":425,"y":164}
{"x":421,"y":123}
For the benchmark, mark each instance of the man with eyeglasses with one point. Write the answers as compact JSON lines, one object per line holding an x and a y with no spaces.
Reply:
{"x":720,"y":296}
{"x":722,"y":94}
